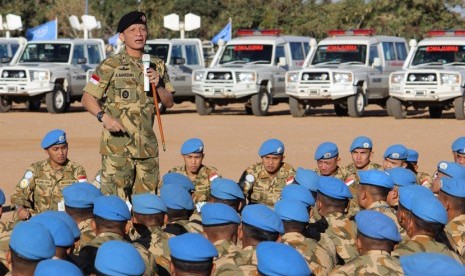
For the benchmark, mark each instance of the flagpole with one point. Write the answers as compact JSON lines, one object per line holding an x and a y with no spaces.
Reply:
{"x":56,"y":28}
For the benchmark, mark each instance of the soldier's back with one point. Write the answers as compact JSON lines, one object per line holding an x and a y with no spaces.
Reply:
{"x":374,"y":262}
{"x":455,"y":231}
{"x":342,"y":232}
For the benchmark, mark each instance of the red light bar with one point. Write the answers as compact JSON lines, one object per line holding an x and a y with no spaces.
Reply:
{"x":248,"y":32}
{"x":366,"y":32}
{"x":446,"y":33}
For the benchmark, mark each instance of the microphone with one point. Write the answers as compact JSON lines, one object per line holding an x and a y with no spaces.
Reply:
{"x":146,"y":63}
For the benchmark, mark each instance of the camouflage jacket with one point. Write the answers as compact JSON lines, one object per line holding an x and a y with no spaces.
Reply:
{"x":342,"y":231}
{"x":353,"y":170}
{"x":374,"y":262}
{"x":87,"y":234}
{"x":267,"y":189}
{"x":41,"y":186}
{"x":156,"y":241}
{"x":455,"y":231}
{"x":225,"y":247}
{"x":383,"y":207}
{"x":120,"y":79}
{"x":201,"y":182}
{"x":5,"y":232}
{"x":243,"y":262}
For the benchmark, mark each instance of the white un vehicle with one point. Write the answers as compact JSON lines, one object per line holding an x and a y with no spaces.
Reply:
{"x":433,"y":77}
{"x":349,"y":69}
{"x":249,"y":69}
{"x":53,"y":72}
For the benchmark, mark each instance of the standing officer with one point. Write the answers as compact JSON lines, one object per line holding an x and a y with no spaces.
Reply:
{"x":41,"y":187}
{"x":458,"y":150}
{"x":128,"y":146}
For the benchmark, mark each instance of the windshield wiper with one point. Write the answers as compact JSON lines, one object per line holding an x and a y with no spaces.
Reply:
{"x":455,"y":63}
{"x":258,"y":61}
{"x":328,"y":62}
{"x":353,"y":62}
{"x":233,"y":62}
{"x":430,"y":63}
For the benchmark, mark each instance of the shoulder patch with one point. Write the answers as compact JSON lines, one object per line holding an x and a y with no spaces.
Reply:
{"x":24,"y":183}
{"x":28,"y":175}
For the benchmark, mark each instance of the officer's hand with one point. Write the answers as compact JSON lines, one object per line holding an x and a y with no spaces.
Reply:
{"x":112,"y":124}
{"x":23,"y":213}
{"x":154,"y":76}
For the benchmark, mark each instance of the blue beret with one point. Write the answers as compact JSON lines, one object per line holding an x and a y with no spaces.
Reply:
{"x":2,"y":197}
{"x":376,"y":225}
{"x":271,"y":146}
{"x":62,"y":235}
{"x":177,"y":179}
{"x":291,"y":210}
{"x":307,"y":178}
{"x":412,"y":155}
{"x":260,"y":216}
{"x":176,"y":197}
{"x":111,"y":207}
{"x":192,"y":247}
{"x":119,"y":258}
{"x":361,"y":142}
{"x":279,"y":259}
{"x":32,"y":241}
{"x":219,"y":214}
{"x":80,"y":195}
{"x":299,"y":193}
{"x":459,"y":145}
{"x":68,"y":220}
{"x":193,"y":145}
{"x":402,"y":176}
{"x":429,"y":208}
{"x":326,"y":150}
{"x":134,"y":17}
{"x":453,"y":187}
{"x":226,"y":189}
{"x":334,"y":188}
{"x":431,"y":264}
{"x":55,"y":267}
{"x":451,"y":169}
{"x":54,"y":137}
{"x":375,"y":178}
{"x":408,"y":193}
{"x":148,"y":204}
{"x":396,"y":152}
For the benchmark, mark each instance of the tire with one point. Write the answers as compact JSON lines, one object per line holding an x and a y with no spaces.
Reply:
{"x":388,"y":108}
{"x":398,"y":110}
{"x":56,"y":100}
{"x":459,"y":108}
{"x":33,"y":105}
{"x":356,"y":105}
{"x":204,"y":107}
{"x":261,"y":103}
{"x":435,"y":111}
{"x":297,"y":107}
{"x":5,"y":105}
{"x":340,"y":110}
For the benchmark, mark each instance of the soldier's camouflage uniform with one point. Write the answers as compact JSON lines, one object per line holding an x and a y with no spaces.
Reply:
{"x":5,"y":232}
{"x":267,"y":189}
{"x":225,"y":262}
{"x":374,"y":262}
{"x":156,"y":241}
{"x":40,"y":188}
{"x":424,"y":180}
{"x":87,"y":233}
{"x":342,"y":231}
{"x":455,"y":231}
{"x":241,"y":263}
{"x":120,"y":80}
{"x":383,"y":207}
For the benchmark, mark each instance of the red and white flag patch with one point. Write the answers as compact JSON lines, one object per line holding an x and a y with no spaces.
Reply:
{"x":289,"y":180}
{"x":349,"y":181}
{"x":95,"y":79}
{"x":213,"y":176}
{"x":82,"y":178}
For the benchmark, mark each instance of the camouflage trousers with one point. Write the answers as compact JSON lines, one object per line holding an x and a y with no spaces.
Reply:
{"x":124,"y":176}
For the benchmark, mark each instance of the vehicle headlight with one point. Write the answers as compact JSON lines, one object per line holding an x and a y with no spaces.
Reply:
{"x":397,"y":78}
{"x":343,"y":78}
{"x":246,"y":77}
{"x":450,"y":79}
{"x":292,"y":77}
{"x":198,"y":76}
{"x":39,"y":75}
{"x":5,"y":74}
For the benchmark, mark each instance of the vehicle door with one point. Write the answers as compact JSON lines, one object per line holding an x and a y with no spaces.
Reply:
{"x":78,"y":69}
{"x":394,"y":56}
{"x":375,"y":75}
{"x":179,"y":71}
{"x":279,"y":72}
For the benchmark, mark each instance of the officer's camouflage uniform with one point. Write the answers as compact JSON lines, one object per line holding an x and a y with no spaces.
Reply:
{"x":317,"y":257}
{"x":374,"y":262}
{"x":382,"y":207}
{"x":455,"y":231}
{"x":424,"y":180}
{"x":120,"y":79}
{"x":241,"y":263}
{"x":267,"y":189}
{"x":156,"y":241}
{"x":202,"y":181}
{"x":40,"y":188}
{"x":87,"y":233}
{"x":342,"y":231}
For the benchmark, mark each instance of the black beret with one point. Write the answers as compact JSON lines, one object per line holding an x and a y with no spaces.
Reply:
{"x":135,"y":17}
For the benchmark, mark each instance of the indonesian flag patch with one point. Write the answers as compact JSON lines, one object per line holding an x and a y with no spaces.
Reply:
{"x":213,"y":176}
{"x":95,"y":79}
{"x":289,"y":180}
{"x":82,"y":178}
{"x":349,"y":181}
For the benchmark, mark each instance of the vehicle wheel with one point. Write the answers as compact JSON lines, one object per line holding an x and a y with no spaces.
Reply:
{"x":56,"y":100}
{"x":5,"y":105}
{"x":398,"y":110}
{"x":435,"y":111}
{"x":297,"y":107}
{"x":260,"y":103}
{"x":356,"y":105}
{"x":459,"y":108}
{"x":341,"y":110}
{"x":33,"y":105}
{"x":388,"y":108}
{"x":204,"y":107}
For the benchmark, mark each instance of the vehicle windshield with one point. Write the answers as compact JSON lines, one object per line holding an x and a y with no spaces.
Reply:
{"x":159,"y":50}
{"x":46,"y":52}
{"x":343,"y":53}
{"x":439,"y":54}
{"x":4,"y":52}
{"x":247,"y":53}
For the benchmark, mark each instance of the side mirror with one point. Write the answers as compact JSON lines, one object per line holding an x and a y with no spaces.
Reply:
{"x":82,"y":61}
{"x":179,"y":61}
{"x":376,"y":62}
{"x":6,"y":59}
{"x":282,"y":61}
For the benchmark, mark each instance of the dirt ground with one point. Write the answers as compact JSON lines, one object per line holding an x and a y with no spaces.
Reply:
{"x":231,"y":137}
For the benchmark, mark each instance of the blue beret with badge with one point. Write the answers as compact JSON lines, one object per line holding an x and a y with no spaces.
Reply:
{"x":81,"y":195}
{"x":61,"y":233}
{"x":262,"y":217}
{"x":375,"y":178}
{"x":226,"y":189}
{"x":412,"y":156}
{"x":430,"y":264}
{"x":299,"y":193}
{"x":361,"y":142}
{"x":451,"y":169}
{"x":2,"y":197}
{"x":279,"y":259}
{"x":219,"y":214}
{"x":459,"y":145}
{"x":377,"y":225}
{"x":291,"y":210}
{"x":32,"y":241}
{"x":326,"y":150}
{"x":307,"y":178}
{"x":429,"y":208}
{"x":148,"y":204}
{"x":396,"y":152}
{"x":193,"y":145}
{"x":54,"y":137}
{"x":56,"y":267}
{"x":134,"y":17}
{"x":119,"y":258}
{"x":402,"y":176}
{"x":271,"y":146}
{"x":334,"y":188}
{"x":408,"y":193}
{"x":453,"y":187}
{"x":111,"y":207}
{"x":177,"y":179}
{"x":176,"y":198}
{"x":192,"y":247}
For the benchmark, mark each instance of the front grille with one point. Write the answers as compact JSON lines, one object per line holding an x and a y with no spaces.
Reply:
{"x":220,"y":76}
{"x":315,"y":77}
{"x":13,"y":74}
{"x":422,"y":77}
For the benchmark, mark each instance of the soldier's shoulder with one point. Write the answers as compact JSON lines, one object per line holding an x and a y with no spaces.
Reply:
{"x":112,"y":61}
{"x":177,"y":169}
{"x":288,"y":167}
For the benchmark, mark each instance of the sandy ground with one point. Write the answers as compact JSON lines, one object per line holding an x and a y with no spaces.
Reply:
{"x":231,"y":137}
